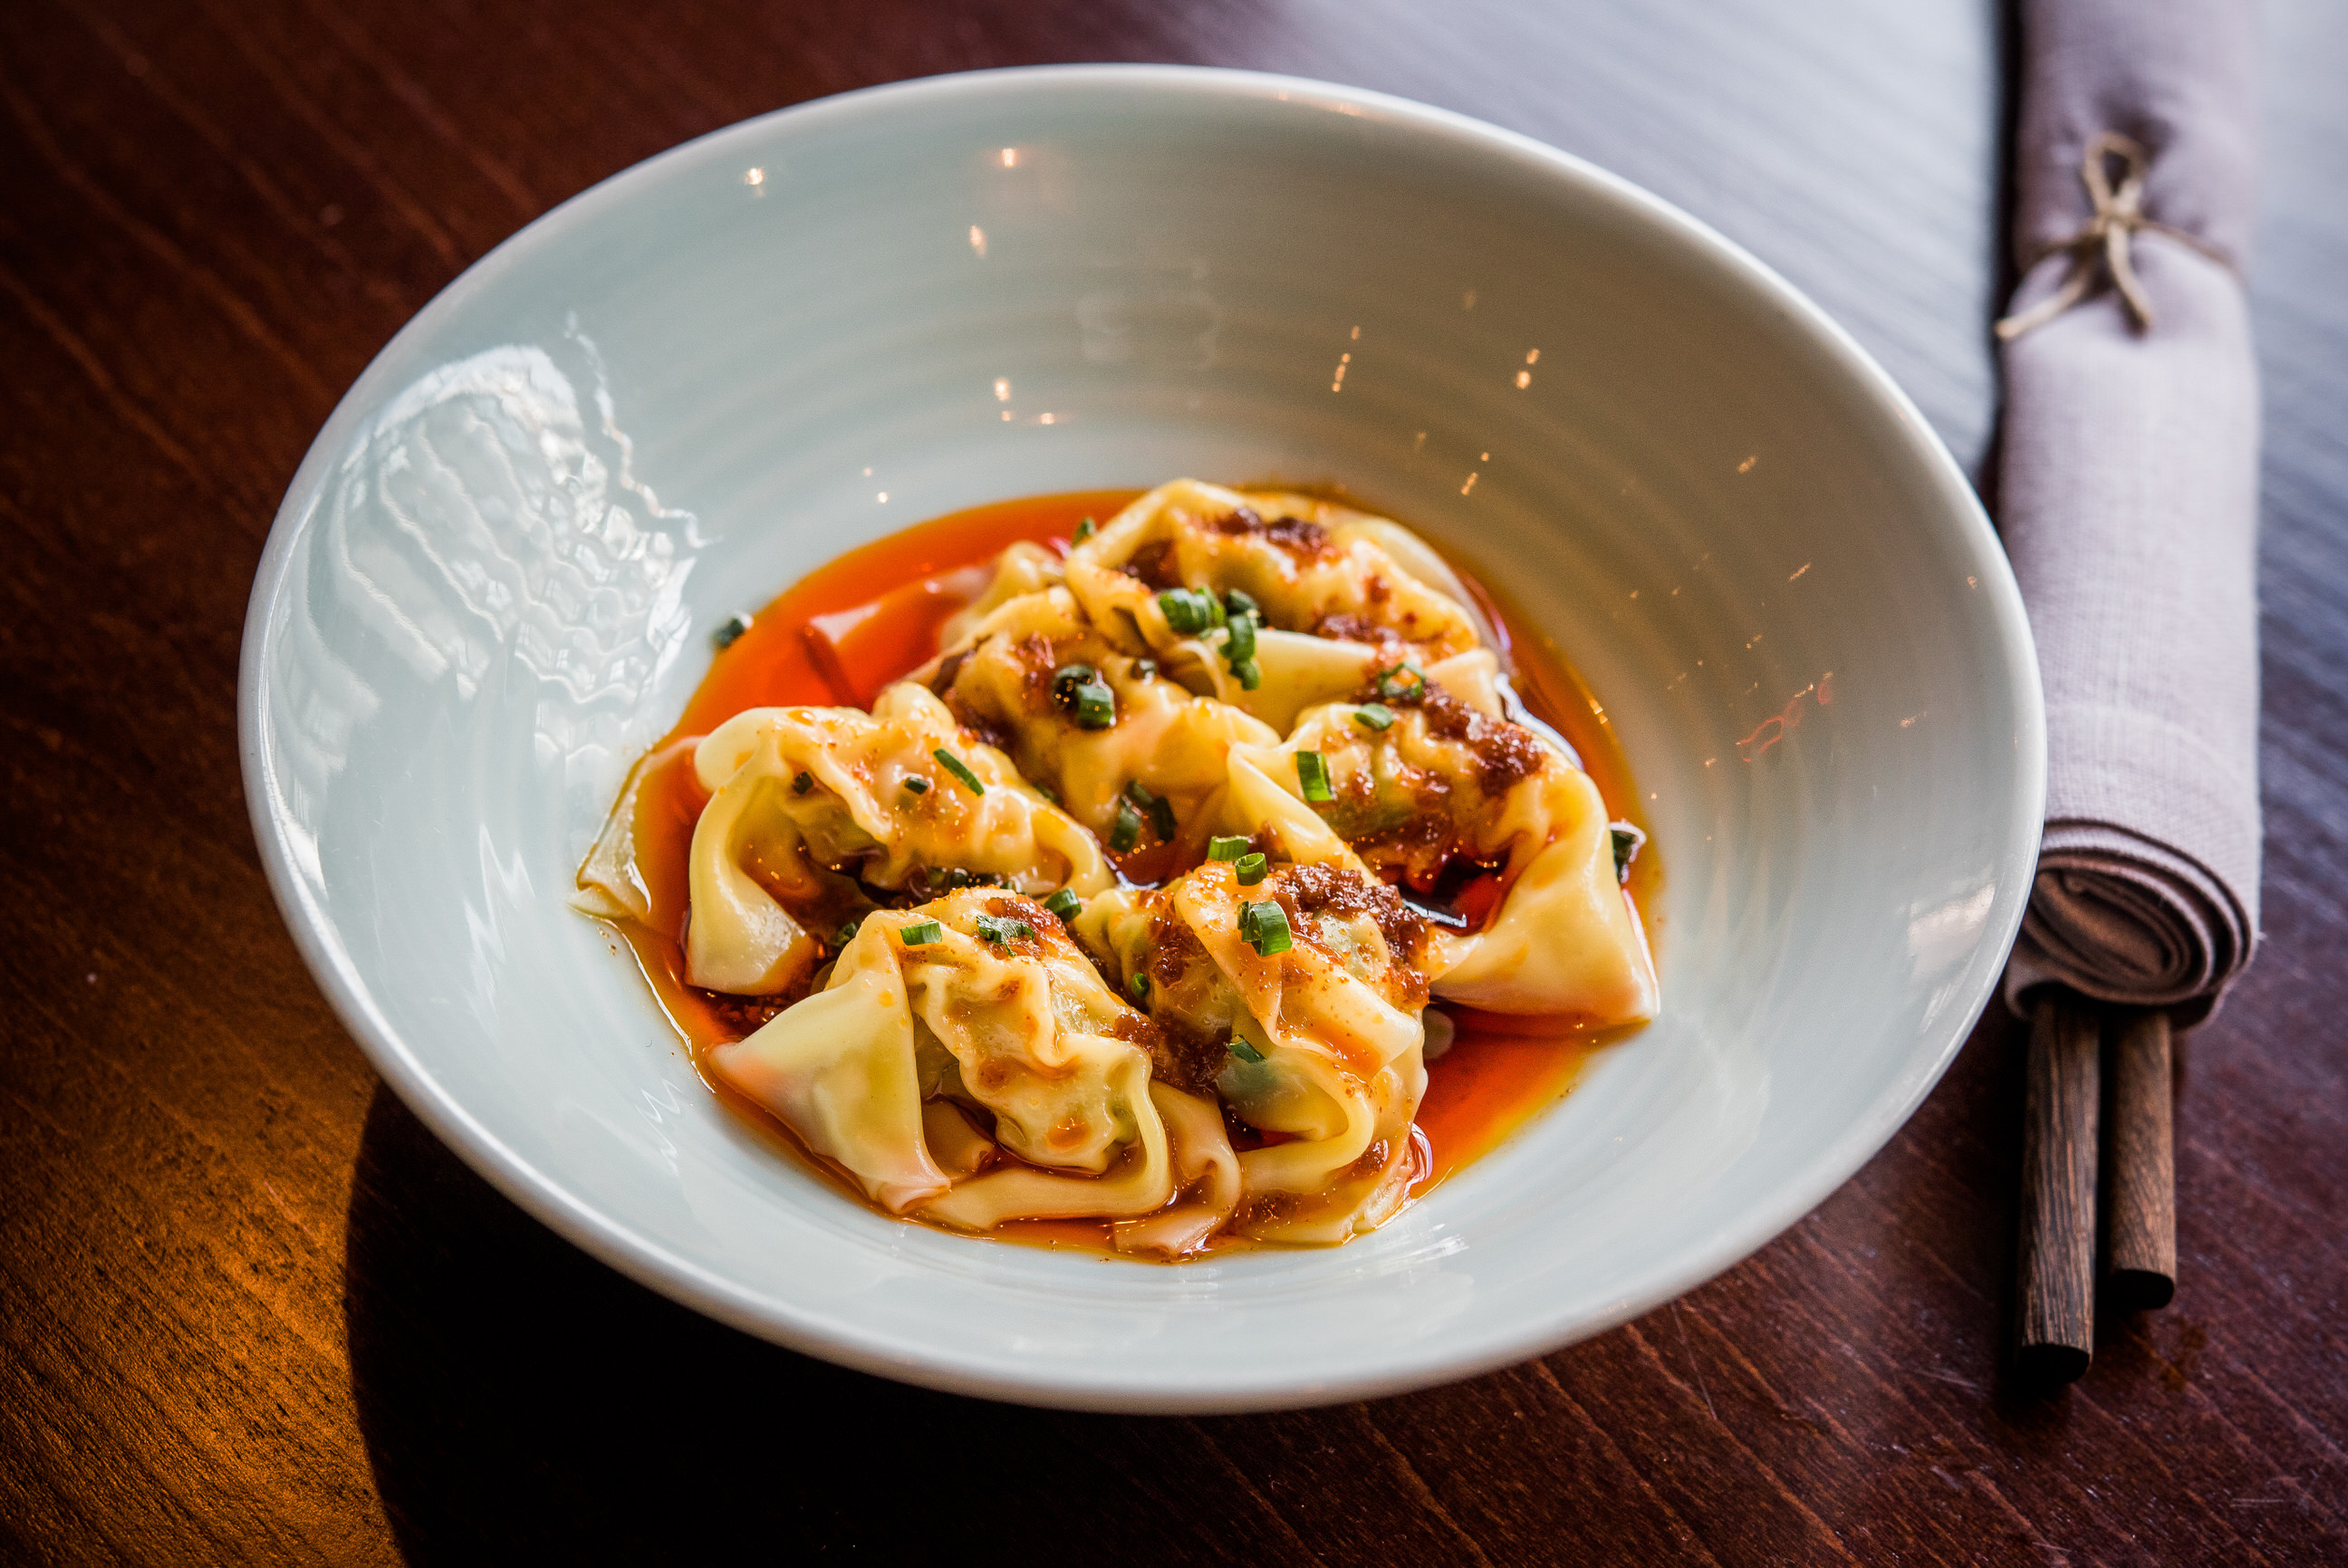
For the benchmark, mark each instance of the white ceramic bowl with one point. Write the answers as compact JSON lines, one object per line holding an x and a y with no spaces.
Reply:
{"x":494,"y":577}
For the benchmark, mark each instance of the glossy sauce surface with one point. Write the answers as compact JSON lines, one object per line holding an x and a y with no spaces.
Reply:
{"x":873,"y":615}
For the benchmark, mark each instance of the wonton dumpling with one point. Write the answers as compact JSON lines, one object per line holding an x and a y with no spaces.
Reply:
{"x":1017,"y":1028}
{"x":768,"y":858}
{"x":1446,"y":782}
{"x":998,"y":679}
{"x":1334,"y":1019}
{"x":1338,"y":605}
{"x":837,"y":1069}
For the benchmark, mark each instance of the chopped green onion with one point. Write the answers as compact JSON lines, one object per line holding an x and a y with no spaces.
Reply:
{"x":1187,"y":612}
{"x":1222,"y":847}
{"x":1160,"y":809}
{"x":1628,"y":842}
{"x":1139,"y":987}
{"x":955,"y":765}
{"x":1071,"y":676}
{"x":1245,"y":1052}
{"x":1238,"y":602}
{"x":1252,"y":868}
{"x":1313,"y":773}
{"x":1095,"y":705}
{"x":803,"y":783}
{"x":1084,"y":531}
{"x":1374,"y":715}
{"x":730,"y":630}
{"x":1001,"y":928}
{"x":1065,"y":903}
{"x":1046,"y":791}
{"x":1249,"y":674}
{"x":920,"y":932}
{"x":1126,"y":831}
{"x":918,"y":785}
{"x":1239,"y":644}
{"x":1390,"y":687}
{"x":1216,"y":614}
{"x":1264,"y":927}
{"x":846,"y":932}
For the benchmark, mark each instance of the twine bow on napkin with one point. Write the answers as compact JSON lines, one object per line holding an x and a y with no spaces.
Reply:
{"x":2118,"y":214}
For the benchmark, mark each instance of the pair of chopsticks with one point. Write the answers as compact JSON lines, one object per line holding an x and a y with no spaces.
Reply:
{"x":2061,"y":1153}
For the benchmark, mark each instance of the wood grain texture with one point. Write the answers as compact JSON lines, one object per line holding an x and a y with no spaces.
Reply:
{"x":250,"y":1310}
{"x":2062,"y":1100}
{"x":2140,"y":1160}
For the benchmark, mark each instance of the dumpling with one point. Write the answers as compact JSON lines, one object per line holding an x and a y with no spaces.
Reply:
{"x":1444,"y":790}
{"x":1088,"y":721}
{"x":1304,"y":1020}
{"x":1335,"y":604}
{"x":1036,"y":1078}
{"x":808,"y":803}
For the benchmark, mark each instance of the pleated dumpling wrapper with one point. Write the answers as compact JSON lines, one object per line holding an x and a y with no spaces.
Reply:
{"x":1087,"y":720}
{"x":1296,"y":999}
{"x":1411,"y":787}
{"x":965,"y":1060}
{"x":808,"y":803}
{"x":1338,"y":595}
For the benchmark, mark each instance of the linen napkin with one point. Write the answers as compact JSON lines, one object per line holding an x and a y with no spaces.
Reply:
{"x":2129,"y":495}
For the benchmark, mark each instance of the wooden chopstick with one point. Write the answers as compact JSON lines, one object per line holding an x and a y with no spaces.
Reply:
{"x":2055,"y":1340}
{"x":2055,"y":1336}
{"x":2143,"y":1165}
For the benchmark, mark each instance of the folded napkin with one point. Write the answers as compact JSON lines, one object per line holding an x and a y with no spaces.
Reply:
{"x":2130,"y":494}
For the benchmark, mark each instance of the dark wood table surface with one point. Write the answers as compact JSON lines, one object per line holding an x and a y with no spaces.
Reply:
{"x":251,"y":1309}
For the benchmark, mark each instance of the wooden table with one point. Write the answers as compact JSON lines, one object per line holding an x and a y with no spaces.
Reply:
{"x":249,"y":1309}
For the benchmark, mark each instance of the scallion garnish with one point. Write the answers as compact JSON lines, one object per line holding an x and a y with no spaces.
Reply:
{"x":1160,"y":809}
{"x":1393,"y":687}
{"x":1084,"y":531}
{"x":846,"y":932}
{"x":1245,"y":1052}
{"x":920,"y":932}
{"x":1237,"y":602}
{"x":1238,"y":644}
{"x":1187,"y":611}
{"x":1002,"y":928}
{"x":1374,"y":715}
{"x":918,"y":785}
{"x":1249,"y":674}
{"x":1313,"y":773}
{"x":1222,"y":847}
{"x":1252,"y":868}
{"x":1628,"y":840}
{"x":955,"y":765}
{"x":1125,"y":832}
{"x":1065,"y":903}
{"x":1095,"y":706}
{"x":1139,"y":987}
{"x":729,"y":631}
{"x":1264,"y":927}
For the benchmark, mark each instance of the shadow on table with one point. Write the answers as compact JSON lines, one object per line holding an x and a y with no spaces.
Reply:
{"x":517,"y":1397}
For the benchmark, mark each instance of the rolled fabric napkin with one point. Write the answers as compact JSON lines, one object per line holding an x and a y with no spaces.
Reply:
{"x":2130,"y":494}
